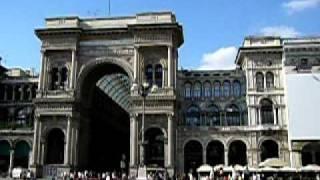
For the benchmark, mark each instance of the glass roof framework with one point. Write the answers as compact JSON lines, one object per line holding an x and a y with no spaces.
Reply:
{"x":117,"y":87}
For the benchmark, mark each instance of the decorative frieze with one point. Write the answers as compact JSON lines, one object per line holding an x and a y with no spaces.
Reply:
{"x":153,"y":37}
{"x":106,"y":51}
{"x":59,"y":43}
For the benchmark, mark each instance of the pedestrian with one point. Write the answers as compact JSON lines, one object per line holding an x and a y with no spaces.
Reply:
{"x":254,"y":176}
{"x":246,"y":174}
{"x":234,"y":173}
{"x":108,"y":176}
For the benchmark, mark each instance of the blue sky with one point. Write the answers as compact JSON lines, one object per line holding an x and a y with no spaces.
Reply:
{"x":213,"y":29}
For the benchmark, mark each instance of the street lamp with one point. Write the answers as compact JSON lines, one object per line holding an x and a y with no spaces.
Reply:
{"x":144,"y":90}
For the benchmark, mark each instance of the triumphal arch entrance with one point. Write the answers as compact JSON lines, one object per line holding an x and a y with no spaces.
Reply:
{"x":106,"y":94}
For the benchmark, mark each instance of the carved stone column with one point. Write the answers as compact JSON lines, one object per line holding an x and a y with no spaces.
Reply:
{"x":68,"y":142}
{"x":249,"y":117}
{"x":42,"y":154}
{"x":39,"y":141}
{"x":41,"y":77}
{"x":73,"y":69}
{"x":45,"y":73}
{"x":133,"y":141}
{"x":296,"y":159}
{"x":264,"y":82}
{"x":11,"y":161}
{"x":204,"y":155}
{"x":76,"y":142}
{"x":274,"y":115}
{"x":170,"y":141}
{"x":259,"y":116}
{"x":136,"y":65}
{"x":29,"y":159}
{"x":226,"y":159}
{"x":35,"y":140}
{"x":170,"y":67}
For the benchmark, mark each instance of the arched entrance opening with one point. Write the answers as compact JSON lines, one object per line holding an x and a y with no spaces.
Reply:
{"x":55,"y":147}
{"x":21,"y":154}
{"x":310,"y":154}
{"x":4,"y":155}
{"x":192,"y":156}
{"x":237,"y":153}
{"x":104,"y":111}
{"x":269,"y":149}
{"x":154,"y":147}
{"x":215,"y":153}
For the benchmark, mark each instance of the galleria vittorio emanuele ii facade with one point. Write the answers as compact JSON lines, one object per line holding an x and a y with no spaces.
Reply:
{"x":109,"y":89}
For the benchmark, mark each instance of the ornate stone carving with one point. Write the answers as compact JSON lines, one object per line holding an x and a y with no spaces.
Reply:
{"x":66,"y":42}
{"x":153,"y":37}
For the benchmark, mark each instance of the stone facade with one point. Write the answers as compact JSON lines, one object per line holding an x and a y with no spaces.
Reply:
{"x":178,"y":121}
{"x":18,"y":89}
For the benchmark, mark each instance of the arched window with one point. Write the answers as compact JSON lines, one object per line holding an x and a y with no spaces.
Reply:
{"x":149,"y":74}
{"x":192,"y":156}
{"x":310,"y":154}
{"x":197,"y":90}
{"x":269,"y":149}
{"x":193,"y":116}
{"x":158,"y":75}
{"x":233,"y":116}
{"x":269,"y":80}
{"x":187,"y":90}
{"x":55,"y":147}
{"x":215,"y":153}
{"x":226,"y":88}
{"x":260,"y":81}
{"x":4,"y":155}
{"x":237,"y":153}
{"x":21,"y":154}
{"x":266,"y":112}
{"x":213,"y":118}
{"x":236,"y":88}
{"x":207,"y":89}
{"x":216,"y":89}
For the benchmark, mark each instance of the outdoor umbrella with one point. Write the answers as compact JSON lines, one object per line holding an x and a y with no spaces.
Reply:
{"x":310,"y":168}
{"x":273,"y":162}
{"x":204,"y":168}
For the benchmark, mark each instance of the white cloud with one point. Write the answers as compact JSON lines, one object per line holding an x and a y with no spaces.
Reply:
{"x":293,"y":6}
{"x":222,"y":58}
{"x":283,"y":31}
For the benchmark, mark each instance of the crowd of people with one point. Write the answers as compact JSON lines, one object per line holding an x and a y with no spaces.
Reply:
{"x":245,"y":174}
{"x":92,"y":175}
{"x":220,"y":174}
